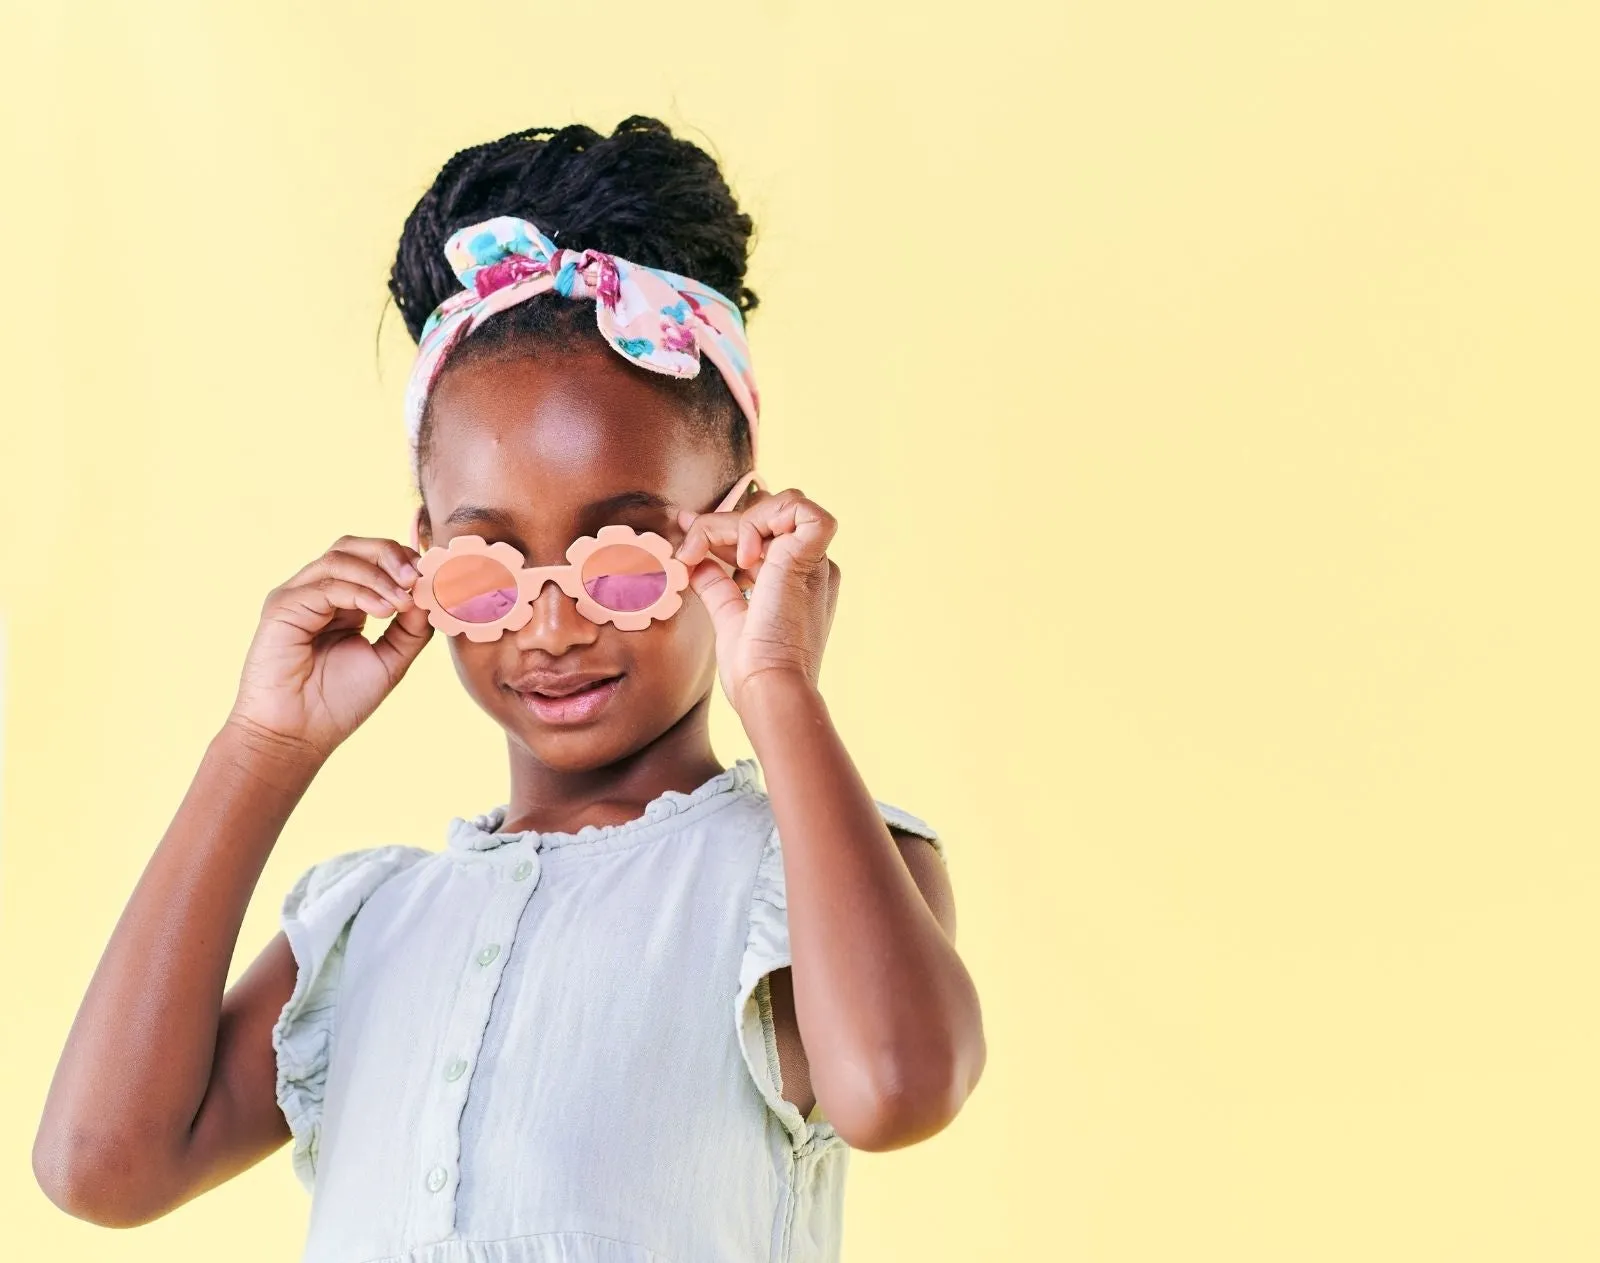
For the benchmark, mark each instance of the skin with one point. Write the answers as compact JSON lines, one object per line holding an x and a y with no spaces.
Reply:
{"x":166,"y":1085}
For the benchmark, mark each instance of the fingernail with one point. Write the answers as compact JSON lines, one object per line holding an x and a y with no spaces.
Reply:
{"x":408,"y":572}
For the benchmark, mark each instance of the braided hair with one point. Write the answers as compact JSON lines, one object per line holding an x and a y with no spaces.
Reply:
{"x":640,"y":193}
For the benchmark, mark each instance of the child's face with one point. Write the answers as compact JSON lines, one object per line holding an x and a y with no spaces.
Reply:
{"x":528,"y":450}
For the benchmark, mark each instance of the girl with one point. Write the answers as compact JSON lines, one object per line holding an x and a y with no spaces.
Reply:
{"x":642,"y":1011}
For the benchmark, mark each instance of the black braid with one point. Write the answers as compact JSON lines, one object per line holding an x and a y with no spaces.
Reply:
{"x":640,"y":193}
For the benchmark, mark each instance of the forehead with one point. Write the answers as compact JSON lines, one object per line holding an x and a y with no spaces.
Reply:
{"x":542,"y":436}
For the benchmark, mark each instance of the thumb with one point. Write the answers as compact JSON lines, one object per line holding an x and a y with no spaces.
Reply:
{"x":721,"y":596}
{"x":402,"y":640}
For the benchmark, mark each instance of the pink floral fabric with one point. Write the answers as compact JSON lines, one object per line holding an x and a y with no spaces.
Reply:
{"x":656,"y":319}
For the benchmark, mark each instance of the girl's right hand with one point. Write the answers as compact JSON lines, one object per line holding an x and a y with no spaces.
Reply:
{"x":311,"y":678}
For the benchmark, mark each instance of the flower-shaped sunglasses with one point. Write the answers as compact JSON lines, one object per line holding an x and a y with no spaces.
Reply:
{"x":480,"y":590}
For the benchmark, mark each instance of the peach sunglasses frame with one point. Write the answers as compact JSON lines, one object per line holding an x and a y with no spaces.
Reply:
{"x":568,"y":577}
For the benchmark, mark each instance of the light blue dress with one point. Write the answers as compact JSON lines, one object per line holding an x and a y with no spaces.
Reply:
{"x":556,"y":1047}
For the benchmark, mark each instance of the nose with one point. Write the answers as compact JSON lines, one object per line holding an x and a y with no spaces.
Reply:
{"x":556,"y":625}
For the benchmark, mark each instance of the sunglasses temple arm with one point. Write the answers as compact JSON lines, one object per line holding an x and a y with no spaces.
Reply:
{"x":739,"y":488}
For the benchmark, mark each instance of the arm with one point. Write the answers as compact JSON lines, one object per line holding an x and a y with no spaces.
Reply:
{"x":929,"y":872}
{"x":166,"y":1087}
{"x":885,"y":1008}
{"x":887,"y":1012}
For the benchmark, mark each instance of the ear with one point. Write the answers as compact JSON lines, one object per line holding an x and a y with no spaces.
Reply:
{"x":417,"y":531}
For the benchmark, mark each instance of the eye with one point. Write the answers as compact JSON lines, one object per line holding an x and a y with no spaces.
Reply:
{"x":642,"y":521}
{"x":500,"y":537}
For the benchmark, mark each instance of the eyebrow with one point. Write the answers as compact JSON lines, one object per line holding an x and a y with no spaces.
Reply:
{"x":594,"y":509}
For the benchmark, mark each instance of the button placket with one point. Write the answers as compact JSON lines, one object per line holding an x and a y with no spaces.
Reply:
{"x":480,"y":972}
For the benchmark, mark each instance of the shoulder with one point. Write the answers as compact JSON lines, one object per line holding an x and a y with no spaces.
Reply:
{"x":349,"y":878}
{"x":321,"y":904}
{"x":903,"y":826}
{"x":908,"y":831}
{"x":912,"y":831}
{"x":921,"y":846}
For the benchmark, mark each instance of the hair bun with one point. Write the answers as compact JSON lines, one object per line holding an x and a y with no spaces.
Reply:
{"x":640,"y":193}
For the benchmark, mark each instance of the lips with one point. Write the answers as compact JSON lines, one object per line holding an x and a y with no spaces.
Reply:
{"x":584,"y":702}
{"x":546,"y":684}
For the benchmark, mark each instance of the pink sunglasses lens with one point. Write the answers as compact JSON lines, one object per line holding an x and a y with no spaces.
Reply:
{"x":474,"y":589}
{"x":624,"y":578}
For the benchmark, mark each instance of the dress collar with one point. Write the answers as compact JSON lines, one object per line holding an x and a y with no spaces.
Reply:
{"x":482,"y":833}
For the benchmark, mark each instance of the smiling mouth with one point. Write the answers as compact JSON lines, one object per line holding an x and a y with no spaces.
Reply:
{"x":558,"y":687}
{"x":577,"y":692}
{"x":578,"y":706}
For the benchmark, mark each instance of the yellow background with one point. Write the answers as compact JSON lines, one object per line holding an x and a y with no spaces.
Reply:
{"x":1207,"y":394}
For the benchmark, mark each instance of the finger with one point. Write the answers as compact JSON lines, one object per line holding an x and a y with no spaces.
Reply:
{"x":735,"y":537}
{"x":345,"y":620}
{"x":739,"y":536}
{"x":354,"y":567}
{"x":398,"y":560}
{"x":751,"y":543}
{"x":711,"y":535}
{"x":721,"y":597}
{"x":791,"y":512}
{"x":808,"y":522}
{"x":358,"y":569}
{"x":746,"y":576}
{"x":313,"y":607}
{"x":402,"y":641}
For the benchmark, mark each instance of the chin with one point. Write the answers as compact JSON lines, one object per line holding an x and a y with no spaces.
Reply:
{"x":626,"y":725}
{"x":580,"y":748}
{"x":566,"y":750}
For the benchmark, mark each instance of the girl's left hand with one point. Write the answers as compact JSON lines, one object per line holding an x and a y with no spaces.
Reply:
{"x":778,"y":545}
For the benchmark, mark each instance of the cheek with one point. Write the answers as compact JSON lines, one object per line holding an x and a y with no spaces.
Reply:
{"x":673,"y":657}
{"x":693,"y":628}
{"x":680,"y":643}
{"x":473,"y":663}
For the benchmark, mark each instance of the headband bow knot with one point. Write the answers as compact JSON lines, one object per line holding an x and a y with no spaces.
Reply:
{"x":654,"y":318}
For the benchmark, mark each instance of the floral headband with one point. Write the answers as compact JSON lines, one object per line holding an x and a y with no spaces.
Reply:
{"x":654,"y":318}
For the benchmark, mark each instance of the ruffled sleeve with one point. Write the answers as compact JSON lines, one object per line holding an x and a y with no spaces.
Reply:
{"x":316,"y":917}
{"x":766,"y":950}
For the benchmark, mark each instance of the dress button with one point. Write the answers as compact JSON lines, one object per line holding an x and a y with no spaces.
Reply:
{"x":455,"y":1069}
{"x":522,"y":870}
{"x":436,"y":1179}
{"x":488,"y":953}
